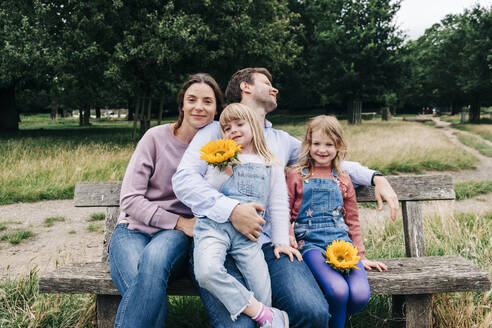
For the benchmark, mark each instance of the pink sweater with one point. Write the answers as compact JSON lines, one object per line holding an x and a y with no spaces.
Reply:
{"x":147,"y":200}
{"x":350,"y":210}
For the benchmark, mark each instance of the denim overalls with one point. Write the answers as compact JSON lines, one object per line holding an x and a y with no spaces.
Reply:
{"x":320,"y":220}
{"x":249,"y":183}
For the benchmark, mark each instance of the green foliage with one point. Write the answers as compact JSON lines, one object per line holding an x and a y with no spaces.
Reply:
{"x":95,"y":227}
{"x":49,"y":222}
{"x":21,"y":305}
{"x":465,"y":190}
{"x":96,"y":217}
{"x":16,"y":236}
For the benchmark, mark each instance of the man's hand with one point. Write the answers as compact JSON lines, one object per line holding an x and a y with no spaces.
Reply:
{"x":247,"y":221}
{"x":384,"y":191}
{"x":185,"y":225}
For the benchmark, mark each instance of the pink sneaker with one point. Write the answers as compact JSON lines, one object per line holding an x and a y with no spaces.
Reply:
{"x":280,"y":320}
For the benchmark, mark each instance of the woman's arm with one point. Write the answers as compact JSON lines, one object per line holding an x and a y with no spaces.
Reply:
{"x":135,"y":185}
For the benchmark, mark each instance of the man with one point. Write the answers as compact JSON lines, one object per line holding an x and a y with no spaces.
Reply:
{"x":294,"y":289}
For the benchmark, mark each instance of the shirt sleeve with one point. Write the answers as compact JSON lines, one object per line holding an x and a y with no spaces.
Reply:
{"x":215,"y":177}
{"x":133,"y":199}
{"x":190,"y":186}
{"x":295,"y":146}
{"x":360,"y":175}
{"x":278,"y":206}
{"x":294,"y":188}
{"x":351,"y":214}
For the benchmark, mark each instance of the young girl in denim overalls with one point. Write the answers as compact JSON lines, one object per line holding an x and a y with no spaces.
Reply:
{"x":324,"y":208}
{"x":251,"y":180}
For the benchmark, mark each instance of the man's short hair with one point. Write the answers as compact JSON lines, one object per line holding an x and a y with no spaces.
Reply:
{"x":233,"y":90}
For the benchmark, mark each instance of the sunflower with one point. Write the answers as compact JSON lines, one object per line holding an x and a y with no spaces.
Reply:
{"x":220,"y":152}
{"x":342,"y":256}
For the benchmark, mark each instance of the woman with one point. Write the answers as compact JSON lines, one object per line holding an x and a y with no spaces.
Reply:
{"x":152,"y":239}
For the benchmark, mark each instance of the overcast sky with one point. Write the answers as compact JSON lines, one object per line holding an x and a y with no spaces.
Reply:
{"x":415,"y":16}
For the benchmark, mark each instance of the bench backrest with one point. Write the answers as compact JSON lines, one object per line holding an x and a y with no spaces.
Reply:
{"x":411,"y":190}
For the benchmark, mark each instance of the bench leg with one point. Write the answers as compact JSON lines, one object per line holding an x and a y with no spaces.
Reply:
{"x":418,"y":311}
{"x":106,"y":307}
{"x":412,"y":311}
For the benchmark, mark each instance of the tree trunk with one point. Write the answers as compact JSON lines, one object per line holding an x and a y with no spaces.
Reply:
{"x":475,"y":112}
{"x":98,"y":112}
{"x":85,"y":113}
{"x":10,"y":119}
{"x":385,"y":113}
{"x":131,"y":109}
{"x":135,"y":118}
{"x":354,"y":108}
{"x":87,"y":116}
{"x":161,"y":109}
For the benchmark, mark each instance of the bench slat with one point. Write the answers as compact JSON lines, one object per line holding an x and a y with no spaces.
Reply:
{"x":406,"y":276}
{"x":407,"y":187}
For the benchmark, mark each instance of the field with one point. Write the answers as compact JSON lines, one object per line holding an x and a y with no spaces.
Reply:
{"x":45,"y":164}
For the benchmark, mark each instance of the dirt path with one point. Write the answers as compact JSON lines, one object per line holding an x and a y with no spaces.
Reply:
{"x":70,"y":241}
{"x":64,"y":242}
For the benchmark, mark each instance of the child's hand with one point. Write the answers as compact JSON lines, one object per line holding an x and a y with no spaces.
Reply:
{"x":368,"y":265}
{"x":228,"y":170}
{"x":290,"y":251}
{"x":293,"y":242}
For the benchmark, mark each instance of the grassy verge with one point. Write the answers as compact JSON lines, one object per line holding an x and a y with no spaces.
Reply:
{"x":45,"y":159}
{"x":484,"y":129}
{"x":465,"y":190}
{"x":476,"y":143}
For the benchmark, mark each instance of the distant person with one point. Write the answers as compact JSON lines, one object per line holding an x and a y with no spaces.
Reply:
{"x":324,"y":209}
{"x":257,"y":177}
{"x":294,"y":289}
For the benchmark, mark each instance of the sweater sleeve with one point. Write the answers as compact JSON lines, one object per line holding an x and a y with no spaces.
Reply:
{"x":351,"y":214}
{"x":294,"y":187}
{"x":135,"y":184}
{"x":278,"y":206}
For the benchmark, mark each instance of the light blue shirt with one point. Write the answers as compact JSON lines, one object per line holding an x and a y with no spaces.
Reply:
{"x":203,"y":199}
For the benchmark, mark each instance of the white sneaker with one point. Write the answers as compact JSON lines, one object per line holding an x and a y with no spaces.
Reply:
{"x":280,"y":320}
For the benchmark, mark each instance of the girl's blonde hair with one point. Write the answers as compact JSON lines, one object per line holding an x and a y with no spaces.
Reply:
{"x":329,"y":126}
{"x":237,"y":111}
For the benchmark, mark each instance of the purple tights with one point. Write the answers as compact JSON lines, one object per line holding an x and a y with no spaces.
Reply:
{"x":346,"y":295}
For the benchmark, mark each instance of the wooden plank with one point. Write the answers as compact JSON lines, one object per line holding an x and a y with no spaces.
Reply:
{"x":414,"y":187}
{"x":413,"y":228}
{"x":406,"y":276}
{"x":407,"y":187}
{"x":97,"y":194}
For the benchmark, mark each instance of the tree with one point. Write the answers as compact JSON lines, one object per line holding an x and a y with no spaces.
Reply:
{"x":353,"y":49}
{"x":21,"y":55}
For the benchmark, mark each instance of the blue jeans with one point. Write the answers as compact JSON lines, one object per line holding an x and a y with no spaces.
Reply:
{"x":213,"y":241}
{"x":141,"y":266}
{"x":294,"y":290}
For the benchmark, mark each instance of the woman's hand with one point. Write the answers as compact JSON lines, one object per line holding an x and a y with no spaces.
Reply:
{"x":368,"y":265}
{"x":186,"y":225}
{"x":287,"y":250}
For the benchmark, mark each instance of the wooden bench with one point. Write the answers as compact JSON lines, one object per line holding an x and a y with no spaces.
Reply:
{"x":411,"y":281}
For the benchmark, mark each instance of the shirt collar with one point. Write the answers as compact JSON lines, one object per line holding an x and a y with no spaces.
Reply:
{"x":268,"y":124}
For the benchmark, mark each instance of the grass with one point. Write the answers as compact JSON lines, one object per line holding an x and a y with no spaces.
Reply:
{"x":49,"y":222}
{"x":96,"y":217}
{"x":5,"y":224}
{"x":95,"y":227}
{"x":474,"y":142}
{"x":21,"y":305}
{"x":465,"y":190}
{"x":45,"y":159}
{"x":483,"y":129}
{"x":16,"y":236}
